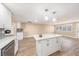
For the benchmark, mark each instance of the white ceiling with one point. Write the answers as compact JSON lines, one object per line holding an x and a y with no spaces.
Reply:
{"x":35,"y":12}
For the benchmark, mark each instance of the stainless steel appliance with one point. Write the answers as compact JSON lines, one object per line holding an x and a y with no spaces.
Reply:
{"x":7,"y":31}
{"x":8,"y":50}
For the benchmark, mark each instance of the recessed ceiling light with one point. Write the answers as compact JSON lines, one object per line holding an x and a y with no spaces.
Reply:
{"x":46,"y":18}
{"x":35,"y":21}
{"x":54,"y":19}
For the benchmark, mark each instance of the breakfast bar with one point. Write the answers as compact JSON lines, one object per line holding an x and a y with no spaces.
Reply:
{"x":47,"y":44}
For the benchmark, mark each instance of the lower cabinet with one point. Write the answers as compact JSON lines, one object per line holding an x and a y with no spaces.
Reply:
{"x":77,"y":30}
{"x":52,"y":45}
{"x":41,"y":47}
{"x":46,"y":47}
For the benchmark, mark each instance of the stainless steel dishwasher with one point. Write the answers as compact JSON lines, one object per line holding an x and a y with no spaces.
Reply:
{"x":8,"y":50}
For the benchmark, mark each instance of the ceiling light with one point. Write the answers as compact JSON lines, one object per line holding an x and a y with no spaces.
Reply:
{"x":46,"y":18}
{"x":46,"y":10}
{"x":54,"y":19}
{"x":54,"y":12}
{"x":35,"y":21}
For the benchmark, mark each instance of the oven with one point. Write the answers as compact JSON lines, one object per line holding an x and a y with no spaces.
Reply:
{"x":8,"y":50}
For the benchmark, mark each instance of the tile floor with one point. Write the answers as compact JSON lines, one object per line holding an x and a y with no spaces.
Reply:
{"x":70,"y":47}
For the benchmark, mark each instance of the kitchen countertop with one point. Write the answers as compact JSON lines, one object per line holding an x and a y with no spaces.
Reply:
{"x":71,"y":36}
{"x":46,"y":36}
{"x":4,"y":41}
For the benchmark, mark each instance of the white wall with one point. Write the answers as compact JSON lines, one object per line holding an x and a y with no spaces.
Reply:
{"x":30,"y":29}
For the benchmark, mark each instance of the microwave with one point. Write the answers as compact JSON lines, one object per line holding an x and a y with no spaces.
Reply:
{"x":9,"y":31}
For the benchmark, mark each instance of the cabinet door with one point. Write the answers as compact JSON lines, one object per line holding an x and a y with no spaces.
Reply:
{"x":1,"y":16}
{"x":41,"y":47}
{"x":77,"y":26}
{"x":60,"y":42}
{"x":77,"y":30}
{"x":20,"y":35}
{"x":5,"y":16}
{"x":52,"y":45}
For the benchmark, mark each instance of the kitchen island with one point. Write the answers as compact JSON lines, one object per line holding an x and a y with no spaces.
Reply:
{"x":47,"y":44}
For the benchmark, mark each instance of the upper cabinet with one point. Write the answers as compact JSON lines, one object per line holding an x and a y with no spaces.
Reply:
{"x":5,"y":17}
{"x":1,"y":16}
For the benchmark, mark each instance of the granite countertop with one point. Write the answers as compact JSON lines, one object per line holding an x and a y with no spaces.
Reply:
{"x":4,"y":41}
{"x":46,"y":36}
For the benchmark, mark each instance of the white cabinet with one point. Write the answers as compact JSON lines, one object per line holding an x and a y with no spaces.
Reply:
{"x":5,"y":16}
{"x":1,"y":16}
{"x":46,"y":47}
{"x":41,"y":47}
{"x":77,"y":26}
{"x":60,"y":42}
{"x":19,"y":35}
{"x":52,"y":45}
{"x":77,"y":30}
